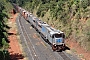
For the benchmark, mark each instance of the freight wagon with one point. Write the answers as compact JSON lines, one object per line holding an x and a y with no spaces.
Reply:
{"x":50,"y":34}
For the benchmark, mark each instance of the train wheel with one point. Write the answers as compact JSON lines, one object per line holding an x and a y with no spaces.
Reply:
{"x":63,"y":47}
{"x":59,"y":48}
{"x":54,"y":48}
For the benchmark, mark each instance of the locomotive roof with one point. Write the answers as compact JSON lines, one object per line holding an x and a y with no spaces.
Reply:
{"x":51,"y":29}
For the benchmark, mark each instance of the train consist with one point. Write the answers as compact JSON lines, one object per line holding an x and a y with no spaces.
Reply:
{"x":50,"y":34}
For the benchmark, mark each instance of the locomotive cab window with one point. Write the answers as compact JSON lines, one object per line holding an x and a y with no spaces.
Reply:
{"x":59,"y":35}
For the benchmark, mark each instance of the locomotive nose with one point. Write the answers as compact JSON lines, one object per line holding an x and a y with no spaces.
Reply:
{"x":59,"y":41}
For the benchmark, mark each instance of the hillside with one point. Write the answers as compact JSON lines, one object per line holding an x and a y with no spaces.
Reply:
{"x":70,"y":16}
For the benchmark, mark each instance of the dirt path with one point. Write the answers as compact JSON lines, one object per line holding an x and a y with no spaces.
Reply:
{"x":15,"y":47}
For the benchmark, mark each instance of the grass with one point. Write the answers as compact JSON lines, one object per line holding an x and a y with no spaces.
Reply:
{"x":81,"y":56}
{"x":73,"y":50}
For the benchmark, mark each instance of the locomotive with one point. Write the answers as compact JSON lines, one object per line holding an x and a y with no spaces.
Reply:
{"x":55,"y":37}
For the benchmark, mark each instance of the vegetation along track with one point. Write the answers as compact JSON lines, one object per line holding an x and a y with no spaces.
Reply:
{"x":28,"y":41}
{"x":32,"y":49}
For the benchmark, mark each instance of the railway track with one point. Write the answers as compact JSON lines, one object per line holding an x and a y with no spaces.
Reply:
{"x":28,"y":41}
{"x":31,"y":47}
{"x":64,"y":56}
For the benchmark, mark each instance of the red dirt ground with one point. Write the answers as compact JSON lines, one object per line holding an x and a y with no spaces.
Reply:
{"x":15,"y":48}
{"x":85,"y":55}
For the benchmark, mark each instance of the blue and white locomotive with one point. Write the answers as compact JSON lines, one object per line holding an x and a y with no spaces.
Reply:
{"x":55,"y":37}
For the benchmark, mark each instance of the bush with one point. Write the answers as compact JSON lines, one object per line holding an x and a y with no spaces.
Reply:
{"x":42,"y":14}
{"x":4,"y":43}
{"x":4,"y":55}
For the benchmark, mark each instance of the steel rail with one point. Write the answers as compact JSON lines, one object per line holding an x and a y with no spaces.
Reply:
{"x":26,"y":38}
{"x":64,"y":56}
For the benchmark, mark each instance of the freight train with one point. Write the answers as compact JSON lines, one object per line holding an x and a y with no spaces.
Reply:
{"x":55,"y":37}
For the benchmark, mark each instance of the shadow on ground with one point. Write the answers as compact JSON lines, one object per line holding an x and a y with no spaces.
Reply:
{"x":65,"y":48}
{"x":11,"y":34}
{"x":16,"y":56}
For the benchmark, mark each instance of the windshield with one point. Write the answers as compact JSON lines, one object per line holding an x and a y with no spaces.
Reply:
{"x":59,"y":35}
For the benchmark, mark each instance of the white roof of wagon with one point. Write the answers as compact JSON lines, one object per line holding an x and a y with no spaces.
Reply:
{"x":51,"y":29}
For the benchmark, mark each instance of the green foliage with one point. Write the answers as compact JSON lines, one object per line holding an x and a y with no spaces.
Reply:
{"x":42,"y":14}
{"x":5,"y":7}
{"x":3,"y":17}
{"x":85,"y":3}
{"x":66,"y":15}
{"x":5,"y":44}
{"x":38,"y":13}
{"x":4,"y":55}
